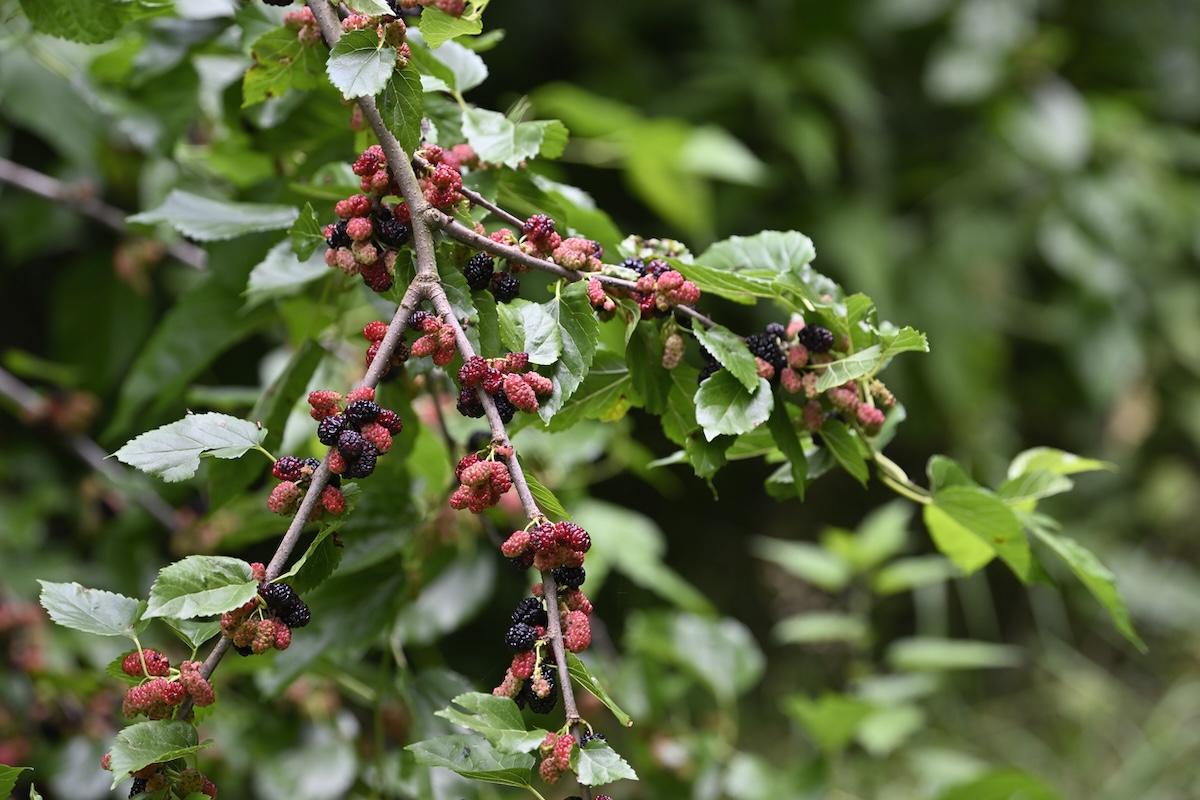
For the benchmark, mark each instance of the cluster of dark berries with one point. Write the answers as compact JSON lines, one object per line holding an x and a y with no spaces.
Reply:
{"x":156,"y":777}
{"x":266,"y":621}
{"x":480,"y":272}
{"x":358,"y":434}
{"x":365,"y":240}
{"x":481,"y":482}
{"x":548,"y":545}
{"x":162,"y":689}
{"x":507,"y":380}
{"x":374,"y":332}
{"x":436,"y":340}
{"x":294,"y":475}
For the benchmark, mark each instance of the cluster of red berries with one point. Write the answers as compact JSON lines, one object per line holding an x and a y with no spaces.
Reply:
{"x":659,"y":289}
{"x":162,"y":689}
{"x":294,"y":475}
{"x":156,"y":777}
{"x":481,"y":481}
{"x":436,"y":340}
{"x":548,"y":545}
{"x":267,"y":620}
{"x":441,"y":175}
{"x":556,"y":756}
{"x":374,"y":332}
{"x":578,"y":254}
{"x":357,"y":434}
{"x":365,"y":240}
{"x":305,"y":25}
{"x":391,"y":30}
{"x":506,"y":379}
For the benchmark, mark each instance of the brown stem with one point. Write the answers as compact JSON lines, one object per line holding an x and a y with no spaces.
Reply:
{"x":81,"y":198}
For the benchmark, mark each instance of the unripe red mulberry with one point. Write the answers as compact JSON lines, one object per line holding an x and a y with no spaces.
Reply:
{"x":333,"y":501}
{"x":283,"y":636}
{"x":285,"y":498}
{"x":520,"y":393}
{"x":577,"y":631}
{"x":870,"y":418}
{"x":197,"y":687}
{"x":541,"y":385}
{"x":156,"y":664}
{"x":264,"y":637}
{"x":516,"y":544}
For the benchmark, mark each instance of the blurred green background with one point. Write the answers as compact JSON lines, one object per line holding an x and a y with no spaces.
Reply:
{"x":1017,"y":179}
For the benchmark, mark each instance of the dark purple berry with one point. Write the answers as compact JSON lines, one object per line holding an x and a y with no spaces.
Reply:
{"x":297,"y":616}
{"x":521,"y":637}
{"x":363,"y":411}
{"x":767,"y":348}
{"x":505,"y":287}
{"x":816,"y":338}
{"x":418,"y":317}
{"x":288,"y":468}
{"x":339,"y":237}
{"x":391,"y":231}
{"x":530,"y":612}
{"x":544,"y":705}
{"x":479,"y":271}
{"x":504,"y":407}
{"x":569,"y":577}
{"x":635,"y":264}
{"x":278,"y":596}
{"x":777,"y":330}
{"x":139,"y":784}
{"x":364,"y":465}
{"x":350,"y":444}
{"x":330,"y":429}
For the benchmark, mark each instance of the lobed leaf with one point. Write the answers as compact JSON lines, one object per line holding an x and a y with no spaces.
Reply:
{"x":92,"y":610}
{"x":173,"y":451}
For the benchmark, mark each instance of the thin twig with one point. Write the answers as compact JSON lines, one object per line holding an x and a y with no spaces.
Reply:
{"x":33,"y":406}
{"x":81,"y":198}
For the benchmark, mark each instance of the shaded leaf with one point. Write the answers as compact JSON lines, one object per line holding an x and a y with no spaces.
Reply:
{"x":606,"y":394}
{"x":583,"y":677}
{"x":173,"y":451}
{"x":546,"y":499}
{"x":1059,"y":462}
{"x":846,"y":448}
{"x":850,"y":368}
{"x":93,"y":23}
{"x":475,"y":758}
{"x":281,"y":63}
{"x":580,"y":332}
{"x":438,"y":27}
{"x":725,"y":346}
{"x":529,"y":327}
{"x":92,"y":610}
{"x":831,"y":720}
{"x":596,"y":763}
{"x":1029,"y":487}
{"x":960,"y":512}
{"x":201,"y":586}
{"x":359,"y":64}
{"x":8,"y":777}
{"x":497,"y":718}
{"x":144,"y":743}
{"x":401,"y":106}
{"x":783,"y":432}
{"x":720,"y":652}
{"x":806,"y":561}
{"x":904,"y":574}
{"x":821,"y":626}
{"x":1002,"y":784}
{"x":498,"y":140}
{"x":282,"y":273}
{"x":306,"y":235}
{"x":207,"y":220}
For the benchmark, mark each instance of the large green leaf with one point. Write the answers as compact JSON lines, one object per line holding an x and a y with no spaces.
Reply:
{"x":580,"y":332}
{"x":846,"y":448}
{"x":961,"y":518}
{"x":173,"y":451}
{"x":144,"y":743}
{"x":768,"y":252}
{"x":1059,"y":462}
{"x":401,"y":106}
{"x":208,"y":220}
{"x":606,"y":394}
{"x":91,"y":23}
{"x":475,"y":758}
{"x":596,"y":764}
{"x":201,"y":586}
{"x":497,"y":718}
{"x":305,"y":234}
{"x":728,"y":349}
{"x":498,"y":140}
{"x":281,"y":63}
{"x":92,"y":610}
{"x":529,"y":327}
{"x":359,"y":64}
{"x":1002,"y":784}
{"x":731,"y":285}
{"x":1094,"y":575}
{"x":283,"y":273}
{"x":783,"y":432}
{"x":438,"y":27}
{"x":850,"y":368}
{"x":725,"y":407}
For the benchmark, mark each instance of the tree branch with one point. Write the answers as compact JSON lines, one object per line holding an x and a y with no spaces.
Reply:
{"x":81,"y":198}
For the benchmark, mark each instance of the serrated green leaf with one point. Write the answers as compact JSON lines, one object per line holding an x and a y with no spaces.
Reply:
{"x":201,"y":586}
{"x":961,"y":512}
{"x":725,"y":407}
{"x":319,"y":561}
{"x":830,"y":720}
{"x":281,"y":63}
{"x":208,"y":220}
{"x":475,"y":758}
{"x":498,"y":140}
{"x":903,"y":341}
{"x":173,"y":451}
{"x":783,"y":432}
{"x":596,"y":764}
{"x":372,"y":8}
{"x":144,"y":743}
{"x":679,"y":420}
{"x":582,"y":676}
{"x":606,"y":394}
{"x":643,"y":359}
{"x":529,"y":327}
{"x":1095,"y":576}
{"x":93,"y":23}
{"x":944,"y":472}
{"x":305,"y":233}
{"x":768,"y":251}
{"x":822,"y":626}
{"x":8,"y":777}
{"x":92,"y":610}
{"x":580,"y":334}
{"x":438,"y":27}
{"x":850,"y":368}
{"x":359,"y":64}
{"x":730,"y":285}
{"x":728,"y":349}
{"x":497,"y":718}
{"x":806,"y":561}
{"x":920,"y":653}
{"x":401,"y":106}
{"x":283,"y":274}
{"x":846,"y":448}
{"x":545,"y":498}
{"x":1059,"y":462}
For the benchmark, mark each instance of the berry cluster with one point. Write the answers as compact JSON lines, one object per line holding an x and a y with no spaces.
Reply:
{"x":266,"y":621}
{"x":548,"y":545}
{"x":358,"y":434}
{"x":659,"y":289}
{"x":510,"y":385}
{"x":505,"y":286}
{"x":436,"y":340}
{"x":391,"y":30}
{"x":481,"y":483}
{"x":578,"y":254}
{"x":156,"y":777}
{"x":162,"y":689}
{"x":365,"y":240}
{"x":441,"y":181}
{"x":556,"y":756}
{"x":305,"y":25}
{"x":294,"y":475}
{"x":374,"y":332}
